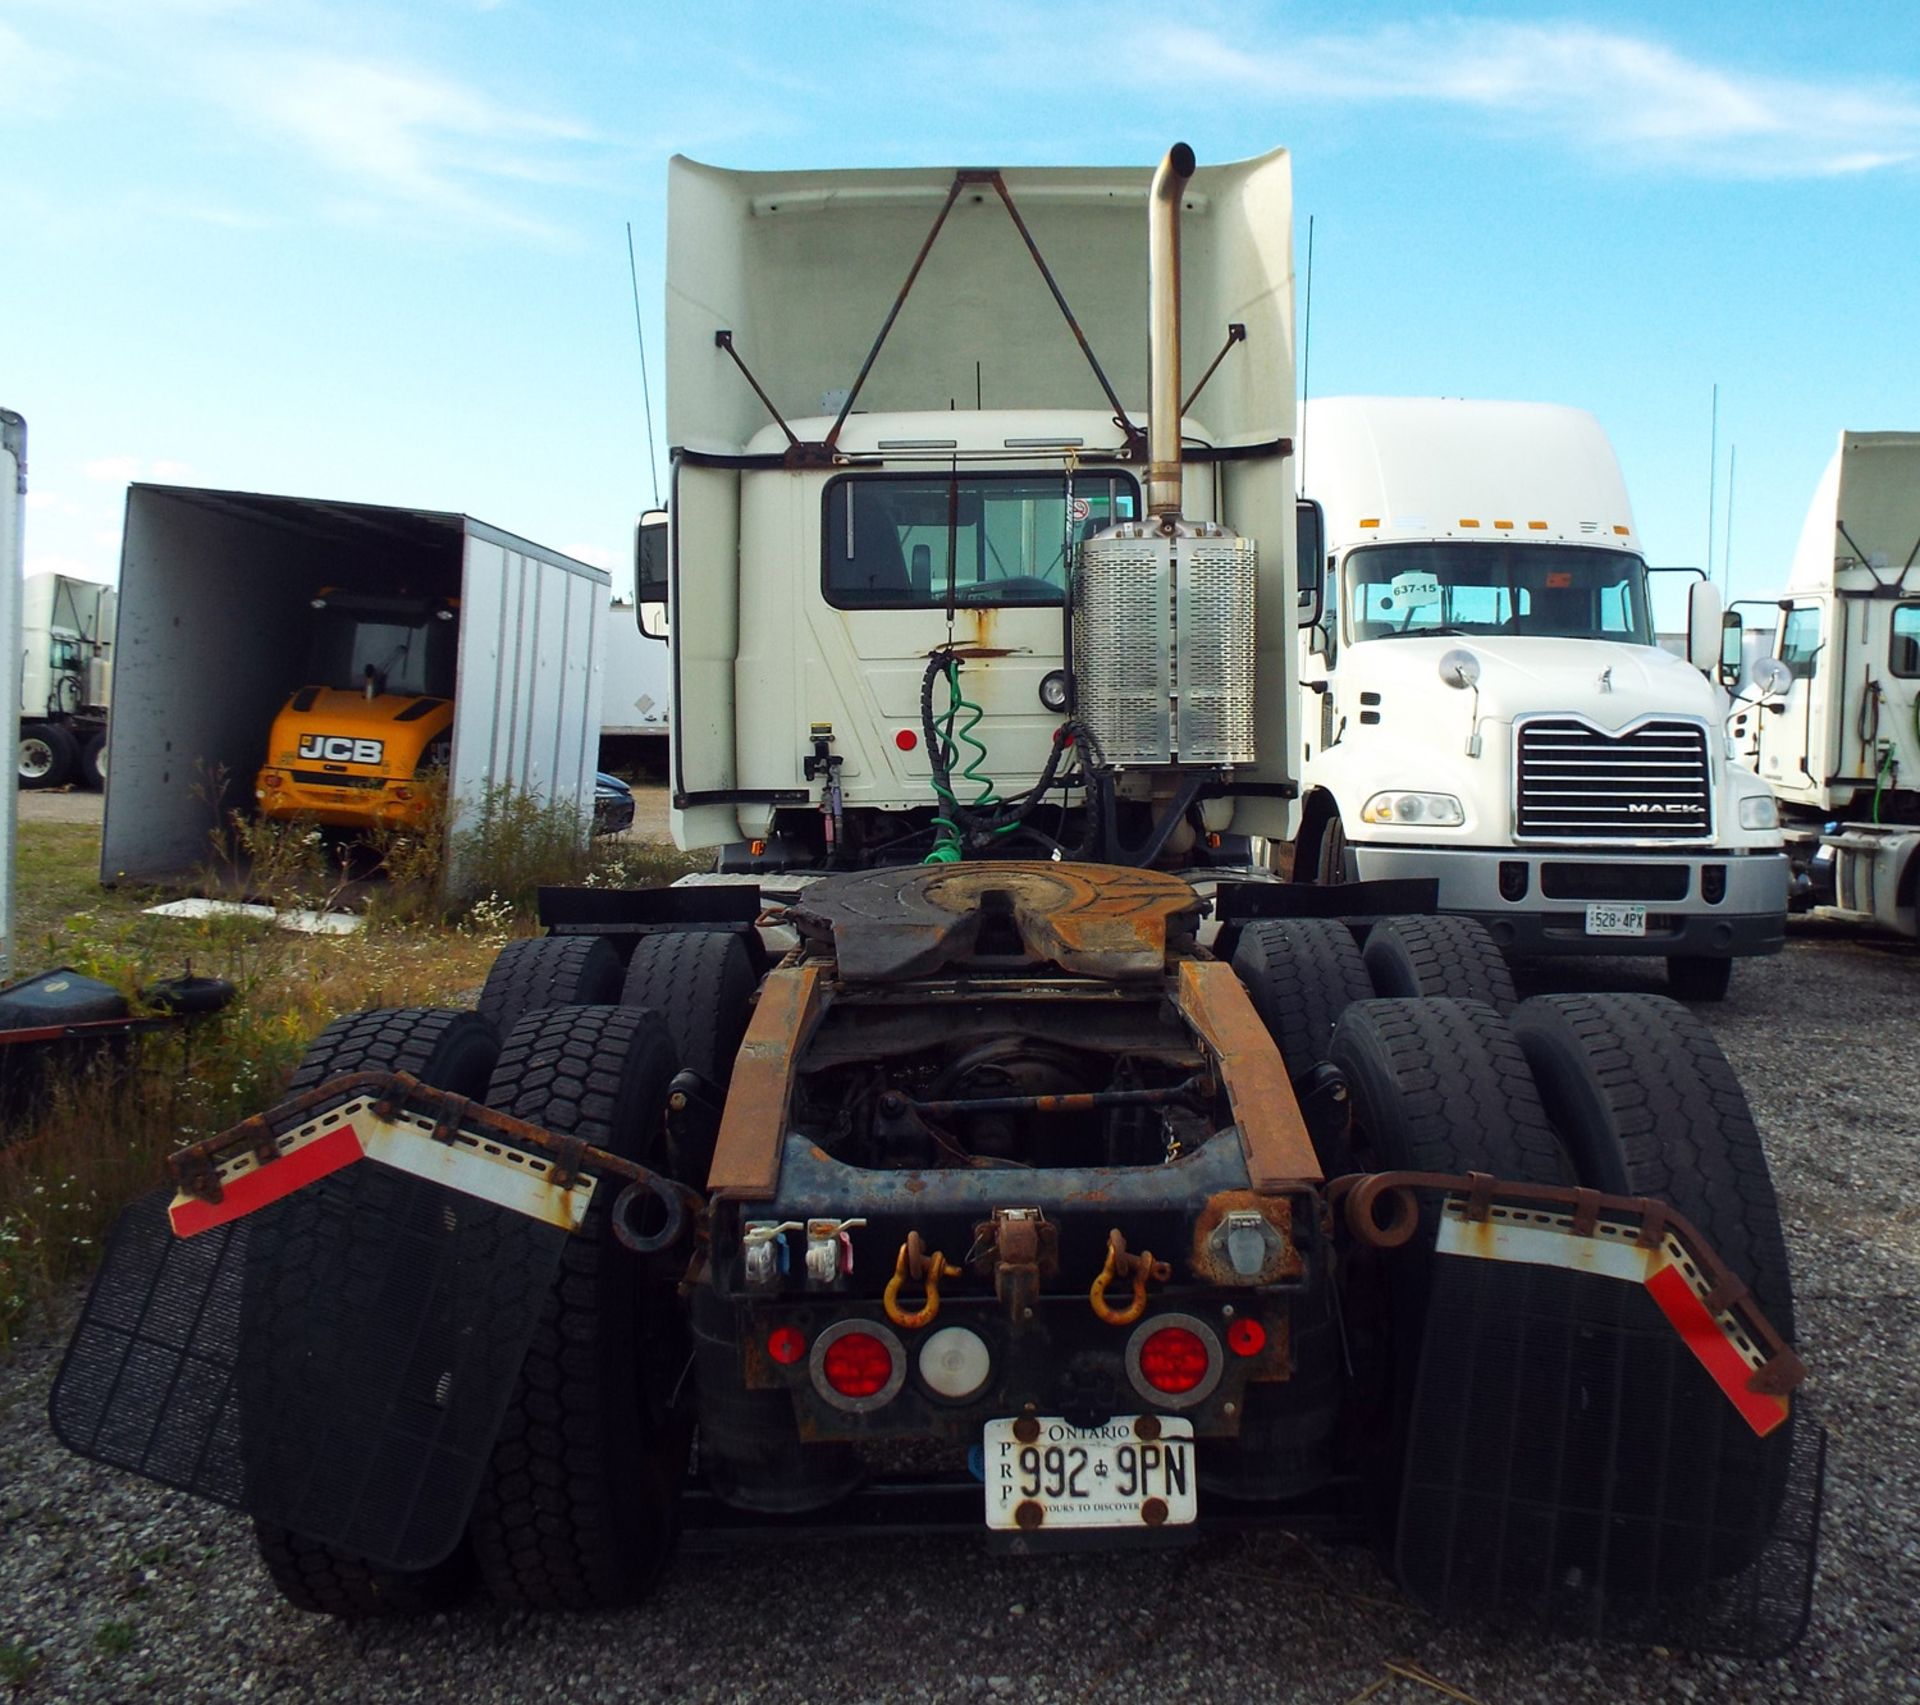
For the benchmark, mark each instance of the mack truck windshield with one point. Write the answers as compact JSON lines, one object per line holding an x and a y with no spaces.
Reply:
{"x":357,"y":744}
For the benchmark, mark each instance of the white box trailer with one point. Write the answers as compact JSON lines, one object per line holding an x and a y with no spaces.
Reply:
{"x":636,"y":706}
{"x":216,"y":602}
{"x":13,"y":492}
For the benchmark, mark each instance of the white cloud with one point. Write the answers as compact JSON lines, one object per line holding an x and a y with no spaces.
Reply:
{"x":1600,"y":89}
{"x":173,"y":472}
{"x":396,"y":136}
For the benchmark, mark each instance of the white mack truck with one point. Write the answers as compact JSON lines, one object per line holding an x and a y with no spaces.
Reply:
{"x":1484,"y":704}
{"x":949,"y":1183}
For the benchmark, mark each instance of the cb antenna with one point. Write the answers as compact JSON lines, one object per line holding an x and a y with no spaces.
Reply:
{"x":646,"y":393}
{"x":1306,"y":360}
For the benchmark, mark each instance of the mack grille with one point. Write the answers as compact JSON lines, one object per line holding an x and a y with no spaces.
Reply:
{"x":336,"y":1364}
{"x":1577,"y":782}
{"x":1570,"y":1464}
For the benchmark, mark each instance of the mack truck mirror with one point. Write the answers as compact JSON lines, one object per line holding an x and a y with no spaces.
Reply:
{"x":1733,"y":649}
{"x":1703,"y":626}
{"x":1311,"y":560}
{"x":650,"y":573}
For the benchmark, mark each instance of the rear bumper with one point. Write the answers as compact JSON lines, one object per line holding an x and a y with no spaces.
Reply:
{"x":1549,"y":917}
{"x":343,"y":808}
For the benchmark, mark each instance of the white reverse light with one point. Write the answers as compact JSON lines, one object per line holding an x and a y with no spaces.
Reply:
{"x":954,"y":1362}
{"x":1441,"y":810}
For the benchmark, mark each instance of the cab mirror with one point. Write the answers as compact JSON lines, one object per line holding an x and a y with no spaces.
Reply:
{"x":1703,"y":626}
{"x":1733,"y":649}
{"x":651,"y":573}
{"x":1310,"y":560}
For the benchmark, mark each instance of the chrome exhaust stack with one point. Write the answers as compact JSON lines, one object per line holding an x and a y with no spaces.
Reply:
{"x":1163,"y":331}
{"x":1163,"y":607}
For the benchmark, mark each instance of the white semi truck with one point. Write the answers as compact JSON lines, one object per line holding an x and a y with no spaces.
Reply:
{"x":1485,"y":705}
{"x":870,"y":534}
{"x":66,"y":679}
{"x":1834,"y":724}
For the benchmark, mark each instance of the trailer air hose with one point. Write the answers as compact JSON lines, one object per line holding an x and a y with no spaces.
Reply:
{"x":986,"y":817}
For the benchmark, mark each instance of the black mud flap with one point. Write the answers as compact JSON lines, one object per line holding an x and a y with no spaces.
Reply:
{"x":1571,"y":1465}
{"x":337,"y":1363}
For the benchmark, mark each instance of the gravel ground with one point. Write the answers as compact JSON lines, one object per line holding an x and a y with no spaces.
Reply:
{"x":114,"y":1589}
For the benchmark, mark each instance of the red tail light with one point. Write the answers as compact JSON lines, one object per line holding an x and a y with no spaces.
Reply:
{"x":858,"y":1365}
{"x":1174,"y":1360}
{"x":786,"y":1344}
{"x":1246,"y":1337}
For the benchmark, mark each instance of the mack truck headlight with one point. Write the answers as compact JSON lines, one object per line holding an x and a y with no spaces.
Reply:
{"x":1441,"y":810}
{"x":1759,"y":811}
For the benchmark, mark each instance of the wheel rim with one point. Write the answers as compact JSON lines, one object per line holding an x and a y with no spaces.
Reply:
{"x":36,"y":758}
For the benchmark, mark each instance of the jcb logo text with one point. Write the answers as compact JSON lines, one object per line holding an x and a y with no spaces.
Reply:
{"x":338,"y":749}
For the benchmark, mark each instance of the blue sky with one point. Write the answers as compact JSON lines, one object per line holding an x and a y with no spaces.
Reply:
{"x":378,"y":252}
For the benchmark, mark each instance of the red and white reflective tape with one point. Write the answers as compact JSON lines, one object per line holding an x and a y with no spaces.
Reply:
{"x":1536,"y":1238}
{"x":473,"y":1165}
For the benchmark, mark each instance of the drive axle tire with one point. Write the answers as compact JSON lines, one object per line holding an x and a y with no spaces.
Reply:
{"x":48,"y":755}
{"x":445,"y":1050}
{"x":701,"y":982}
{"x":93,"y":763}
{"x":576,"y":1509}
{"x":1648,"y":1106}
{"x":548,"y":971}
{"x":1301,"y":974}
{"x":1442,"y":1086}
{"x":1696,"y":977}
{"x":1454,"y":958}
{"x":1435,"y":1086}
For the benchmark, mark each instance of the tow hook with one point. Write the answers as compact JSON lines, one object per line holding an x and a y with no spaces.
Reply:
{"x":1122,"y":1266}
{"x":913,"y":1262}
{"x":1016,"y":1249}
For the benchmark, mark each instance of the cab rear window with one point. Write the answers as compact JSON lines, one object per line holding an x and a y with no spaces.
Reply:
{"x":900,"y":541}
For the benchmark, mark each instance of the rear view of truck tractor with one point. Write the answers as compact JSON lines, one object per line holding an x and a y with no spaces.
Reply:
{"x":1088,"y":1199}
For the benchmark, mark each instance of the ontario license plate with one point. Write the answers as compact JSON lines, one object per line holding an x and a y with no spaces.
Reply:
{"x":1108,"y":1476}
{"x":1616,"y":920}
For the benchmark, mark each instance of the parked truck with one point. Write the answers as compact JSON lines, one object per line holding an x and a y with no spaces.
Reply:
{"x":976,"y":1194}
{"x":1484,"y":703}
{"x":66,"y":680}
{"x":1833,"y":723}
